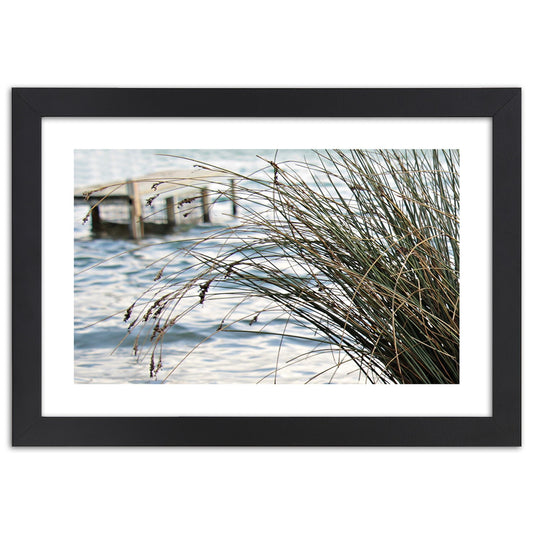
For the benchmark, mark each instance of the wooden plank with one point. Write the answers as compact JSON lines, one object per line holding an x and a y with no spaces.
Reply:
{"x":167,"y":181}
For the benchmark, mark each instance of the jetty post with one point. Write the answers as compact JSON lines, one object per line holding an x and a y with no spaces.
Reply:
{"x":95,"y":217}
{"x":171,"y":213}
{"x":232,"y":197}
{"x":205,"y":205}
{"x":136,"y":220}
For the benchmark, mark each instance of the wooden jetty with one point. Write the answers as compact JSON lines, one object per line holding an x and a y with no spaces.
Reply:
{"x":186,"y":195}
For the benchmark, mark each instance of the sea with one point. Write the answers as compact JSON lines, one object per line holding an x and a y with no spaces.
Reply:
{"x":111,"y":273}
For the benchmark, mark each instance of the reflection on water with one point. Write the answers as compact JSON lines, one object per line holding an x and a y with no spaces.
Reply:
{"x":104,"y":351}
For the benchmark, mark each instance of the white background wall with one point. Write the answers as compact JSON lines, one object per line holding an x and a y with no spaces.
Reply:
{"x":266,"y":44}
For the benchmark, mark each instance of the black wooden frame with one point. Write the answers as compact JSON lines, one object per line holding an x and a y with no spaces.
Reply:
{"x":30,"y":428}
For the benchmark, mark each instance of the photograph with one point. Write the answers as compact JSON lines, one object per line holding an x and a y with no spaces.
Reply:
{"x":289,"y":266}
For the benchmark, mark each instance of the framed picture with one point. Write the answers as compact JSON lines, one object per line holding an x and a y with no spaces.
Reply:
{"x":194,"y":267}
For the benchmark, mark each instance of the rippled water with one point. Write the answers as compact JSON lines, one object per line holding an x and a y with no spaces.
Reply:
{"x":104,"y":351}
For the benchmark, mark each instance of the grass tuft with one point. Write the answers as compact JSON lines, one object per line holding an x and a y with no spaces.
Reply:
{"x":359,"y":248}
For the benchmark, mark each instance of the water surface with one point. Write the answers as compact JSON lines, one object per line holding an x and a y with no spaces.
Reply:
{"x":104,"y":352}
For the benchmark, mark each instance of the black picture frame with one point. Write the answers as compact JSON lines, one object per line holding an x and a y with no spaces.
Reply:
{"x":31,"y":428}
